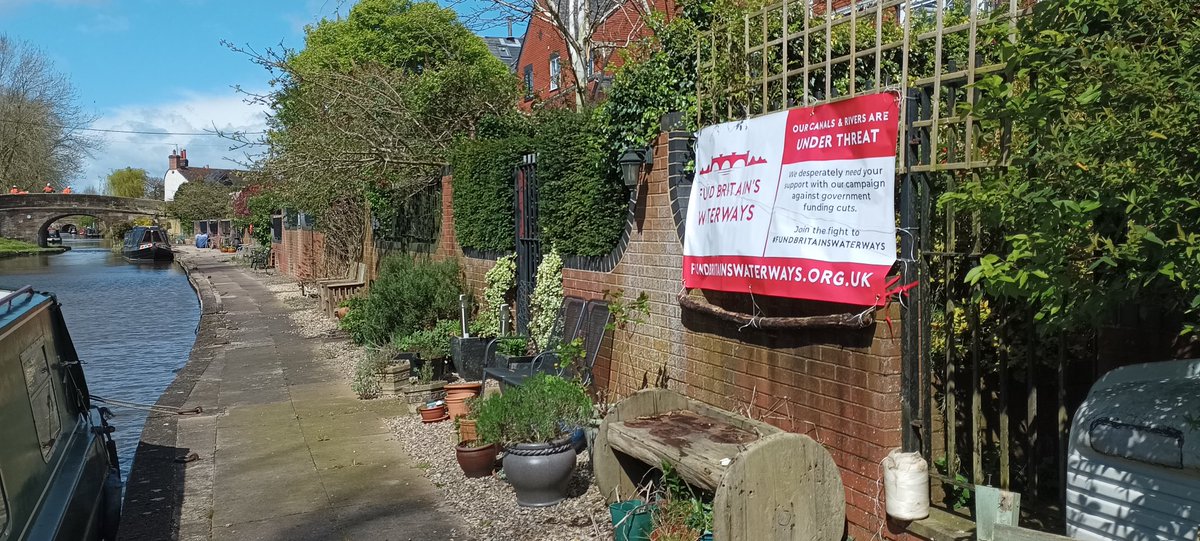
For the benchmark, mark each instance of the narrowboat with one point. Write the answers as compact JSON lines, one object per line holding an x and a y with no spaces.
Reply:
{"x":59,"y":478}
{"x":53,"y":237}
{"x":147,"y":243}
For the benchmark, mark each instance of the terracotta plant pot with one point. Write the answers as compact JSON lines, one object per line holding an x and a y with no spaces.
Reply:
{"x":466,"y":430}
{"x":476,"y":461}
{"x":433,"y":415}
{"x":457,"y":395}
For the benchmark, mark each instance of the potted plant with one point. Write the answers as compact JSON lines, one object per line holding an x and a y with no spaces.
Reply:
{"x":433,"y":413}
{"x":476,"y":457}
{"x":457,"y":395}
{"x":679,"y":514}
{"x":428,"y":349}
{"x":423,"y":387}
{"x":512,"y":350}
{"x":466,"y":424}
{"x":468,"y":352}
{"x":534,"y":422}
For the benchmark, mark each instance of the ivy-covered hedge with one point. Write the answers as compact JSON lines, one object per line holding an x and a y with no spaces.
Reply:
{"x":582,"y":201}
{"x":483,"y":192}
{"x":584,"y":205}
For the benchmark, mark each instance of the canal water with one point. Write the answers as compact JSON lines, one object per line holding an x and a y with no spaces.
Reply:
{"x":133,"y":324}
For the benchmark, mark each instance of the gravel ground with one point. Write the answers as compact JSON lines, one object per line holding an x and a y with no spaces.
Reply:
{"x":488,"y":505}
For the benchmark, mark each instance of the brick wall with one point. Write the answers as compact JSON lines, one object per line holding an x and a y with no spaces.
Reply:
{"x":300,"y":254}
{"x":839,"y":386}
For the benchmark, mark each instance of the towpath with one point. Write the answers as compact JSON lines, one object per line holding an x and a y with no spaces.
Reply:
{"x":283,"y":449}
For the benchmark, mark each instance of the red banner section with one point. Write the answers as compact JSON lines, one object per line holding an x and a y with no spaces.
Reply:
{"x":849,"y":283}
{"x":855,"y":129}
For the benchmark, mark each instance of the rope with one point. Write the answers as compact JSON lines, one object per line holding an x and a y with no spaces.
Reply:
{"x":146,"y":407}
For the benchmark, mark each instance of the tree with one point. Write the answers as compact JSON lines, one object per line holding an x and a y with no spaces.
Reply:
{"x":42,"y":133}
{"x":127,"y":182}
{"x":200,"y":201}
{"x":155,"y":188}
{"x":370,"y":107}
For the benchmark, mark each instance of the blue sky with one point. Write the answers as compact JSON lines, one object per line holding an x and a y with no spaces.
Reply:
{"x":159,"y":66}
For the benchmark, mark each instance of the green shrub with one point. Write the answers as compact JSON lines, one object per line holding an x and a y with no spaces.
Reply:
{"x":500,"y":279}
{"x":582,"y":202}
{"x":583,"y":205}
{"x":1100,"y":207}
{"x":430,"y":344}
{"x":545,"y":408}
{"x":483,"y":191}
{"x":411,"y":294}
{"x":366,"y":383}
{"x":355,"y":320}
{"x":545,"y":302}
{"x":513,"y":346}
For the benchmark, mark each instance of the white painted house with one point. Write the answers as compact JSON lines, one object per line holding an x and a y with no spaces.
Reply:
{"x":179,"y":173}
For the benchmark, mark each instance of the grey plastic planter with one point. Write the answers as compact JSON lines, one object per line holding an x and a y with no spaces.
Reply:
{"x":540,"y":472}
{"x":468,"y":356}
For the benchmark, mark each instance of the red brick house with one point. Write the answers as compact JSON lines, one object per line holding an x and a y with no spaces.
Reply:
{"x":544,"y":65}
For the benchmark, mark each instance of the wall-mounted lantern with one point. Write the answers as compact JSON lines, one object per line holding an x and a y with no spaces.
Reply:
{"x":632,"y":161}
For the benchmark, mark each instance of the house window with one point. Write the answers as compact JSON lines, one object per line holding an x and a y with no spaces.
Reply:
{"x":277,"y":229}
{"x":529,"y":81}
{"x":555,"y":74}
{"x":39,"y":384}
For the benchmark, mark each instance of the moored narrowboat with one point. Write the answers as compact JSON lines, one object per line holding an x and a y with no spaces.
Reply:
{"x":59,"y":478}
{"x":147,"y":243}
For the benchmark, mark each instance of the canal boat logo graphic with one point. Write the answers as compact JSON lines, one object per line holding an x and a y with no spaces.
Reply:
{"x":733,"y":160}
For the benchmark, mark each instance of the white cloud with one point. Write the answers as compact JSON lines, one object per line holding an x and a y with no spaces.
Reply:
{"x":192,"y":113}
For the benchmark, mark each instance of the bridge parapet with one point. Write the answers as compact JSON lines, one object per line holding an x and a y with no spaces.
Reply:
{"x":26,"y":216}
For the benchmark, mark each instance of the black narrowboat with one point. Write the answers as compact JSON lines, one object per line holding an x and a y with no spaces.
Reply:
{"x":147,"y":243}
{"x":59,"y":478}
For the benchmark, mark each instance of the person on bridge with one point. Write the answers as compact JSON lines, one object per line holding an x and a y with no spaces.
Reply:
{"x":67,"y":189}
{"x":48,"y":188}
{"x":14,"y":190}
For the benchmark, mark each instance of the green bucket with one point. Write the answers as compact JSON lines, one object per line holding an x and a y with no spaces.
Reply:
{"x":631,"y":520}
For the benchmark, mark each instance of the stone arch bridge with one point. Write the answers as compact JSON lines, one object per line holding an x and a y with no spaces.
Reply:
{"x":27,"y":216}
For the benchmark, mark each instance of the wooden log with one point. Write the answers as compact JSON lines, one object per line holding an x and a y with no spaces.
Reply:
{"x":782,"y":487}
{"x":613,"y":478}
{"x":852,"y":321}
{"x":699,"y":448}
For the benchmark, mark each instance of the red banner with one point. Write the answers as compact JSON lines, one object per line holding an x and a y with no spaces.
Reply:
{"x":797,"y":204}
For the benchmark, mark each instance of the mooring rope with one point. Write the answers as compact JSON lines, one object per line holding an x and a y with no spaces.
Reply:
{"x":146,"y":407}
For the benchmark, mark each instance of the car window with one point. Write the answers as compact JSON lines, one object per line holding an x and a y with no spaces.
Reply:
{"x":41,"y":396}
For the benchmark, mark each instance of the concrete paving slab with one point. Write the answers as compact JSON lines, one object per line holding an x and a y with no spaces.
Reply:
{"x":285,"y":449}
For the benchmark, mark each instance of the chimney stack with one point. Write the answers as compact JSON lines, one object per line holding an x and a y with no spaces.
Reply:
{"x":173,"y":161}
{"x":183,"y":163}
{"x":510,"y":36}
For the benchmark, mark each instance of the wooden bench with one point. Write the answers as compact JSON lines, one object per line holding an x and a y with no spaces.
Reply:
{"x":767,"y":484}
{"x":333,"y":292}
